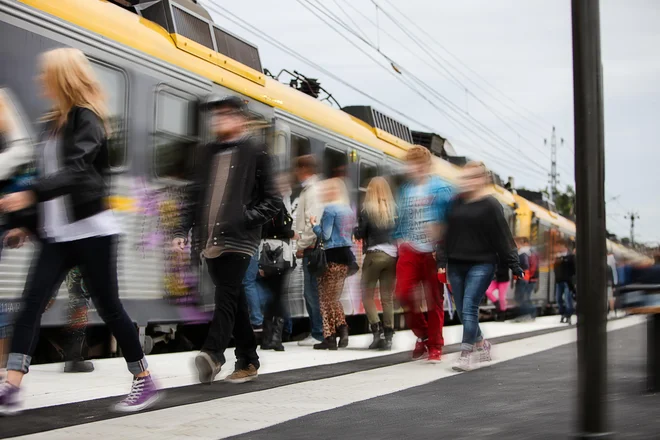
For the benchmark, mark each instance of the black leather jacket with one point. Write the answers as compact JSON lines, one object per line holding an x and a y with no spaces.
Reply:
{"x":83,"y":154}
{"x":370,"y":233}
{"x":251,"y":198}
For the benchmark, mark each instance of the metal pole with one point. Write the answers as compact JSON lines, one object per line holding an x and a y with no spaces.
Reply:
{"x":590,"y":204}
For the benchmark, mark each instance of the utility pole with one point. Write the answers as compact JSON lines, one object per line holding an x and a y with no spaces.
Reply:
{"x":590,"y":201}
{"x":632,"y":216}
{"x":554,"y":175}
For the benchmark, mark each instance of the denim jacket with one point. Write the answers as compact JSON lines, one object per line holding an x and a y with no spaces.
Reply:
{"x":336,"y":226}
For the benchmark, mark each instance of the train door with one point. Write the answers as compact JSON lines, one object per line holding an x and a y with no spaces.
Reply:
{"x":279,"y":145}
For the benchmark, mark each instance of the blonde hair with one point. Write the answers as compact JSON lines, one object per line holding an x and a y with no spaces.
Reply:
{"x":379,"y":203}
{"x":418,"y":154}
{"x":70,"y":76}
{"x":339,"y":187}
{"x":476,"y":164}
{"x":11,"y":124}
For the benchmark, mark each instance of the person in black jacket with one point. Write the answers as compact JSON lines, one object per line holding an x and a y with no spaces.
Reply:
{"x":564,"y":273}
{"x":375,"y":228}
{"x":232,"y":196}
{"x":275,"y":263}
{"x":77,"y":227}
{"x":477,"y":237}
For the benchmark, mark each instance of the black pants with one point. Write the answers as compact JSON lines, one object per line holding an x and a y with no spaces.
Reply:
{"x":231,"y":314}
{"x":97,"y":260}
{"x":275,"y":305}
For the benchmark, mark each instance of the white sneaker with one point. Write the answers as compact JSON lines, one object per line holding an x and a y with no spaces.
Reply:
{"x":309,"y":341}
{"x":464,"y":362}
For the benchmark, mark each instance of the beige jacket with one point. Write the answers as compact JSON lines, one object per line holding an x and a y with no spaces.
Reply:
{"x":308,"y":205}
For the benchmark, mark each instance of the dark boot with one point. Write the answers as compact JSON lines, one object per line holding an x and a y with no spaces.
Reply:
{"x":387,"y":342}
{"x":75,"y":362}
{"x":267,"y":335}
{"x":276,"y":341}
{"x":78,"y":367}
{"x":286,"y":337}
{"x":329,"y":343}
{"x":377,"y":332}
{"x":342,"y":332}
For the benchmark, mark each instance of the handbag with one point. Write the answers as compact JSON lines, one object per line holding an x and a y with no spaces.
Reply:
{"x":317,"y":263}
{"x":271,"y":260}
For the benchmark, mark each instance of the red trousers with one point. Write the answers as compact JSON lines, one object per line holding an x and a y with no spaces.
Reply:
{"x":414,"y":268}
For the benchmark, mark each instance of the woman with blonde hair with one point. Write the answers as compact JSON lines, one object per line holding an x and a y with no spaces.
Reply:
{"x":375,"y":228}
{"x":335,"y":231}
{"x":477,"y":237}
{"x":79,"y":228}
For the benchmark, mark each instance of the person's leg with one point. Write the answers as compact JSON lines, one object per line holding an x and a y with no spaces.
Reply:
{"x":76,"y":325}
{"x":337,"y":289}
{"x":502,"y":290}
{"x":568,"y":298}
{"x":407,"y":279}
{"x":456,"y":276}
{"x":311,"y":293}
{"x":531,"y":310}
{"x":246,"y":341}
{"x":387,"y":280}
{"x":370,"y":274}
{"x":559,"y":297}
{"x":434,"y":304}
{"x":476,"y":282}
{"x":47,"y":273}
{"x":252,"y":292}
{"x":227,"y":273}
{"x":327,"y":315}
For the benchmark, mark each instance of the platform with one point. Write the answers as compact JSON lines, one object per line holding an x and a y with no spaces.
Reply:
{"x":300,"y":382}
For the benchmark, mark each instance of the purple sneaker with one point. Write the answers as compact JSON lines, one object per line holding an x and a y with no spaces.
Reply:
{"x":9,"y":403}
{"x":143,"y":395}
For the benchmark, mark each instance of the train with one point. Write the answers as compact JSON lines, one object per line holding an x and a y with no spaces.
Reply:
{"x":157,"y":63}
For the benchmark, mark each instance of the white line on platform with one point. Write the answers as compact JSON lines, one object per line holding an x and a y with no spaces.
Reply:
{"x":252,"y":411}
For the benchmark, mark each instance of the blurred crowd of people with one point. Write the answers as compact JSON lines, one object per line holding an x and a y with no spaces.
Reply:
{"x":239,"y":223}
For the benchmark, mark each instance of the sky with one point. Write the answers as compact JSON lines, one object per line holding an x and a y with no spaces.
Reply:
{"x":492,"y":76}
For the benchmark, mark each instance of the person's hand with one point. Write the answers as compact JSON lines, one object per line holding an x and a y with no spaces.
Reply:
{"x":261,"y":273}
{"x":300,"y":253}
{"x":296,"y":236}
{"x":17,"y":201}
{"x":442,"y":270}
{"x":179,"y":244}
{"x":519,"y":275}
{"x":313,"y":220}
{"x":15,"y":238}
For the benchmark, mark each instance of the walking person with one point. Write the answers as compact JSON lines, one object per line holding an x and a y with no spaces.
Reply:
{"x":376,"y":229}
{"x":275,"y":265}
{"x":523,"y":293}
{"x":564,"y":273}
{"x":78,"y":228}
{"x":500,"y":284}
{"x":231,"y":197}
{"x":335,"y":230}
{"x":309,"y":206}
{"x":422,"y":208}
{"x":477,"y":236}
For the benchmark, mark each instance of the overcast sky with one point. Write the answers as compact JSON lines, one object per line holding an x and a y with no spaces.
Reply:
{"x":515,"y":60}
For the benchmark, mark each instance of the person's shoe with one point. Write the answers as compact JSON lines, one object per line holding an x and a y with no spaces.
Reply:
{"x":276,"y":335}
{"x":342,"y":332}
{"x":524,"y":318}
{"x":568,"y":320}
{"x":483,"y":352}
{"x":257,"y":328}
{"x":501,"y":316}
{"x":464,"y":362}
{"x":143,"y":395}
{"x":242,"y":375}
{"x":420,"y":349}
{"x":377,"y":332}
{"x":78,"y":367}
{"x":9,"y":399}
{"x":387,"y":342}
{"x":207,"y":367}
{"x":434,"y":356}
{"x":329,"y":343}
{"x":309,"y":341}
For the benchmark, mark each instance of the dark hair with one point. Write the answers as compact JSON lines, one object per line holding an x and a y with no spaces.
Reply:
{"x":214,"y":102}
{"x":307,"y":163}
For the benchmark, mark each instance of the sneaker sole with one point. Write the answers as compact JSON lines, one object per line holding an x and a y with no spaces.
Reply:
{"x":434,"y":361}
{"x":461,"y":369}
{"x":242,"y":380}
{"x":136,"y":408}
{"x":8,"y":412}
{"x":204,"y":368}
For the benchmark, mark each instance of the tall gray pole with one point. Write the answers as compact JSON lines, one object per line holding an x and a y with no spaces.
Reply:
{"x":590,"y":204}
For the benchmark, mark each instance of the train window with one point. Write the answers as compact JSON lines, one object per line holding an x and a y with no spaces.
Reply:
{"x":300,"y":146}
{"x":175,"y":135}
{"x":335,"y":163}
{"x":114,"y":86}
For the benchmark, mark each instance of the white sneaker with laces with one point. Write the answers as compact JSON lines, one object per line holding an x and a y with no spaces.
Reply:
{"x":309,"y":341}
{"x":464,"y":362}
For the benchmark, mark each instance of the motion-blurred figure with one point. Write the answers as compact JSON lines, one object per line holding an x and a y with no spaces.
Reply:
{"x":76,"y":328}
{"x":309,"y":205}
{"x":564,"y":273}
{"x":523,"y":291}
{"x":275,"y":264}
{"x":232,"y":196}
{"x":78,"y":228}
{"x":477,"y":236}
{"x":500,"y":284}
{"x":611,"y":282}
{"x":376,"y":228}
{"x":422,"y":208}
{"x":335,"y":230}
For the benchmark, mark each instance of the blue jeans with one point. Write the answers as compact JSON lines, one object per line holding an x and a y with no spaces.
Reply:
{"x":266,"y":296}
{"x":311,"y":292}
{"x":523,"y":295}
{"x":252,"y":292}
{"x":564,"y":298}
{"x":468,"y":286}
